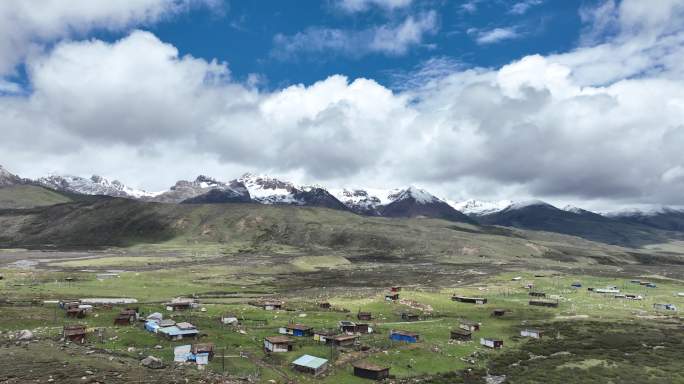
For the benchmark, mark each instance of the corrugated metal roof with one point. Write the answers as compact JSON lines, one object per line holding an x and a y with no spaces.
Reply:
{"x":310,"y":361}
{"x":174,"y":331}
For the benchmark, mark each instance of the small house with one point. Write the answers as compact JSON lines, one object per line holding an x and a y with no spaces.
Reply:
{"x":75,"y":312}
{"x":105,"y":276}
{"x":392,"y":296}
{"x":363,"y":328}
{"x":152,"y":326}
{"x":498,"y":312}
{"x":297,"y":330}
{"x":644,"y":282}
{"x":607,"y":290}
{"x":347,"y":326}
{"x":324,"y":305}
{"x":310,"y":364}
{"x":323,"y":336}
{"x":185,"y":326}
{"x":367,"y":316}
{"x":126,"y":317}
{"x":277,"y":344}
{"x":461,"y":334}
{"x":533,"y":333}
{"x":343,"y":340}
{"x":468,"y":325}
{"x":230,"y":319}
{"x":156,"y":317}
{"x":409,"y":316}
{"x":664,"y":307}
{"x":74,"y":333}
{"x":180,"y":305}
{"x":268,"y":305}
{"x":207,"y":348}
{"x":175,"y":333}
{"x":370,"y":371}
{"x":466,"y":299}
{"x":404,"y":336}
{"x":537,"y":294}
{"x":544,"y":303}
{"x":167,"y":323}
{"x":122,"y":319}
{"x":491,"y":343}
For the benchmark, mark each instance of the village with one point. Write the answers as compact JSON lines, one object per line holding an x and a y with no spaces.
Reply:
{"x":389,"y":334}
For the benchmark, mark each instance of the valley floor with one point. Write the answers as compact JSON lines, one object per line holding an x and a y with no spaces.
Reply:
{"x":589,"y":338}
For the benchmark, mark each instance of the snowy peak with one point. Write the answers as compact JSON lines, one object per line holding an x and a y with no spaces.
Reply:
{"x":8,"y":179}
{"x":358,"y":200}
{"x":573,"y":209}
{"x":643,"y":212}
{"x":204,"y":189}
{"x":419,"y":195}
{"x":95,"y":185}
{"x":529,"y":203}
{"x":480,"y":207}
{"x":269,"y":190}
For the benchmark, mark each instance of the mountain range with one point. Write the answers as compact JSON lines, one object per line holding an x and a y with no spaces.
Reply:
{"x":632,"y":228}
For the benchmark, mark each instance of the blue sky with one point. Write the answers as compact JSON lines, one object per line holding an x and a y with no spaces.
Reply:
{"x":243,"y":33}
{"x":577,"y":102}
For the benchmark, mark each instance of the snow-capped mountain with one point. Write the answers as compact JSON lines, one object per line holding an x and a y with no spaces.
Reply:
{"x":204,"y":190}
{"x":416,"y":202}
{"x":95,"y":185}
{"x":8,"y":179}
{"x":269,"y":190}
{"x":667,"y":218}
{"x":472,"y":207}
{"x":634,"y":212}
{"x":359,"y":201}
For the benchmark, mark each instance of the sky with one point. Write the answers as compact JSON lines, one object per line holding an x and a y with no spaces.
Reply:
{"x":578,"y":102}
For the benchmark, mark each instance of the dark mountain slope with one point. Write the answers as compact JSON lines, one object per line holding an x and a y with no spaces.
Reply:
{"x":544,"y":217}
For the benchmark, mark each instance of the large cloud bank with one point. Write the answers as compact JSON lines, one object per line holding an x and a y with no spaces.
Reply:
{"x":601,"y":123}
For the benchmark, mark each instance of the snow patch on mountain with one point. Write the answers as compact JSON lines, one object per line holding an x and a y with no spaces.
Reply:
{"x":95,"y":185}
{"x":645,"y":211}
{"x":528,"y":203}
{"x":356,"y":199}
{"x":269,"y":190}
{"x":7,"y":178}
{"x":421,"y":196}
{"x":480,"y":207}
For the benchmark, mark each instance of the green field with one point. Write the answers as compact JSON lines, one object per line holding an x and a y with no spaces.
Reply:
{"x":227,"y":255}
{"x":579,"y":312}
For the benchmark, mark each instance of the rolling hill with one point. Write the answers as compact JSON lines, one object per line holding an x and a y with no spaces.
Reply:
{"x":540,"y":216}
{"x":30,"y":196}
{"x":107,"y":222}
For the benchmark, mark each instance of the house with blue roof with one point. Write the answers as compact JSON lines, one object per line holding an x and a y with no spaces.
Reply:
{"x":310,"y":364}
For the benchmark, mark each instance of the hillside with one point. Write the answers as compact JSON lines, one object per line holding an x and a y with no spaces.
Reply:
{"x":30,"y":196}
{"x":106,"y":222}
{"x":544,"y":217}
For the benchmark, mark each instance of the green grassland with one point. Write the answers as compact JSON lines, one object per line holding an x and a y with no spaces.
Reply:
{"x":29,"y":196}
{"x":227,"y":255}
{"x":566,"y":327}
